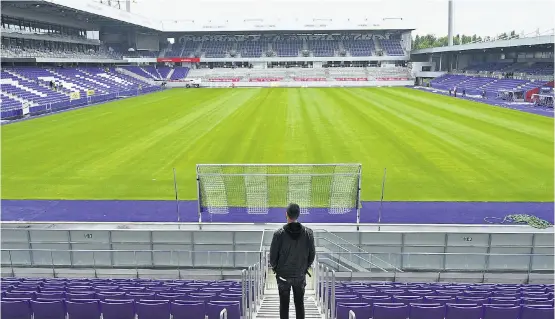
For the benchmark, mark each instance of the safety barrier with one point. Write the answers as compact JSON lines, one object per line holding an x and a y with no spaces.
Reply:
{"x":253,"y":280}
{"x":324,"y":289}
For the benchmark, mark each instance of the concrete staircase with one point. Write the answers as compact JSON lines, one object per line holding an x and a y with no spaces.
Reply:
{"x":269,"y":308}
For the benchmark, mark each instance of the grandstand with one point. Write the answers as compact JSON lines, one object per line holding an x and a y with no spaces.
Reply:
{"x":129,"y":206}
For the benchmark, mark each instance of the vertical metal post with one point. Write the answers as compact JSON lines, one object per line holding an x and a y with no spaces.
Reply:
{"x":94,"y":266}
{"x":358,"y":202}
{"x":199,"y":199}
{"x":531,"y":261}
{"x":332,"y":294}
{"x":52,"y":260}
{"x":381,"y":199}
{"x":136,"y":266}
{"x":11,"y":262}
{"x":176,"y":196}
{"x":243,"y":292}
{"x":326,"y":293}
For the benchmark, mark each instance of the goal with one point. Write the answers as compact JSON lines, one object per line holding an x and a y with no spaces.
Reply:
{"x":258,"y":188}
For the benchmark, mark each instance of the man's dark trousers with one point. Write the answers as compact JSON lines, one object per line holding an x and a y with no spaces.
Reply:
{"x":284,"y":288}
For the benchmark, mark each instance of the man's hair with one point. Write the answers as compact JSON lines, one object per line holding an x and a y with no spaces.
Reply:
{"x":293,"y":211}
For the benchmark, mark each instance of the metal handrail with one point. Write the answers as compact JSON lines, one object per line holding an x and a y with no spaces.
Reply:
{"x":361,"y":250}
{"x":355,"y":254}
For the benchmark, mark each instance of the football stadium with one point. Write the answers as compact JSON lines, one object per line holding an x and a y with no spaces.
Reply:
{"x":146,"y":163}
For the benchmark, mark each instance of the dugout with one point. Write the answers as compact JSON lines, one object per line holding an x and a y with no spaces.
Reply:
{"x":542,"y":100}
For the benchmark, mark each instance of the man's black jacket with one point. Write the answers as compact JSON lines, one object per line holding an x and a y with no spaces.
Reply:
{"x":292,"y":251}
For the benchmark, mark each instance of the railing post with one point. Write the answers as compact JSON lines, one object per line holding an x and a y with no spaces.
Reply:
{"x":243,"y":293}
{"x":223,"y":313}
{"x":11,"y":262}
{"x":52,"y":260}
{"x":332,"y":294}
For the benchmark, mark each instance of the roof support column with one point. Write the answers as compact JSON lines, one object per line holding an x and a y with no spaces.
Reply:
{"x":450,"y":23}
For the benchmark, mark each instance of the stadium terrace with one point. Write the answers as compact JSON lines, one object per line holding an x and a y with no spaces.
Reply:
{"x":146,"y":165}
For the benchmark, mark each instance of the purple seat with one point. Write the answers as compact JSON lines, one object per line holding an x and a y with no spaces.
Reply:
{"x":54,"y":309}
{"x":51,"y":295}
{"x":501,"y":312}
{"x":442,"y":300}
{"x":111,"y":295}
{"x":536,"y":301}
{"x":83,"y":309}
{"x":80,"y":295}
{"x":477,"y":293}
{"x":390,"y":311}
{"x":504,"y":300}
{"x":158,"y":289}
{"x":472,"y":300}
{"x":184,"y":290}
{"x":51,"y":288}
{"x":16,"y":309}
{"x":79,"y":288}
{"x":531,"y":312}
{"x":106,"y":288}
{"x":407,"y":299}
{"x":461,"y":311}
{"x":214,"y":308}
{"x":393,"y":292}
{"x":421,"y":292}
{"x":201,"y":296}
{"x":373,"y":299}
{"x":117,"y":310}
{"x":20,"y":294}
{"x":171,"y":296}
{"x":158,"y":310}
{"x":181,"y":309}
{"x":453,"y":293}
{"x":426,"y":311}
{"x":361,"y":310}
{"x":137,"y":296}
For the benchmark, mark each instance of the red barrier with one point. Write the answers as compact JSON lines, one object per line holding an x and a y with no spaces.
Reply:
{"x":265,"y":79}
{"x":392,"y":79}
{"x":310,"y":79}
{"x":351,"y":79}
{"x":177,"y":60}
{"x":224,"y":79}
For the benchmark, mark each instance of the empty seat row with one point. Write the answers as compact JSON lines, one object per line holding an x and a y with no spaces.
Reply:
{"x":124,"y":309}
{"x":437,"y":311}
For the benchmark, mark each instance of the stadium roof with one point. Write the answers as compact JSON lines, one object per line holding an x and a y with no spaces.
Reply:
{"x":542,"y":40}
{"x":99,"y":14}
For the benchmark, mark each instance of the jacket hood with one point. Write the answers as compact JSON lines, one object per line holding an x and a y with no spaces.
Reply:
{"x":294,"y":230}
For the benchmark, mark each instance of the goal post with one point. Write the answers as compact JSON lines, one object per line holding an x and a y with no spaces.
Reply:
{"x":255,"y":190}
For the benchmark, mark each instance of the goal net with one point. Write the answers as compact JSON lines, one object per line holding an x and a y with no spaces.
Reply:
{"x":256,"y":189}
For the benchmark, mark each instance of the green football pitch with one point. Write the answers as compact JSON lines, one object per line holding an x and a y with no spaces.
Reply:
{"x":435,"y":148}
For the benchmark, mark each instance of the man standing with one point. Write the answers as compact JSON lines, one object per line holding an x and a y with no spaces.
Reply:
{"x":291,"y":255}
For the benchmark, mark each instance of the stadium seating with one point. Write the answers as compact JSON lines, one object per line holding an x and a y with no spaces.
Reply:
{"x":360,"y":47}
{"x":74,"y":86}
{"x":179,"y":73}
{"x":186,"y":49}
{"x":118,"y":298}
{"x":323,"y":48}
{"x":287,"y":47}
{"x":476,"y":85}
{"x":443,"y":300}
{"x":216,"y":49}
{"x":252,"y":49}
{"x":392,"y":47}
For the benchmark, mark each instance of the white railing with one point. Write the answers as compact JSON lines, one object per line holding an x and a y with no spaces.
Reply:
{"x":253,"y":281}
{"x":324,"y":289}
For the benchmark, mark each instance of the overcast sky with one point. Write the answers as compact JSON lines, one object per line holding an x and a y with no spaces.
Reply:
{"x":487,"y":17}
